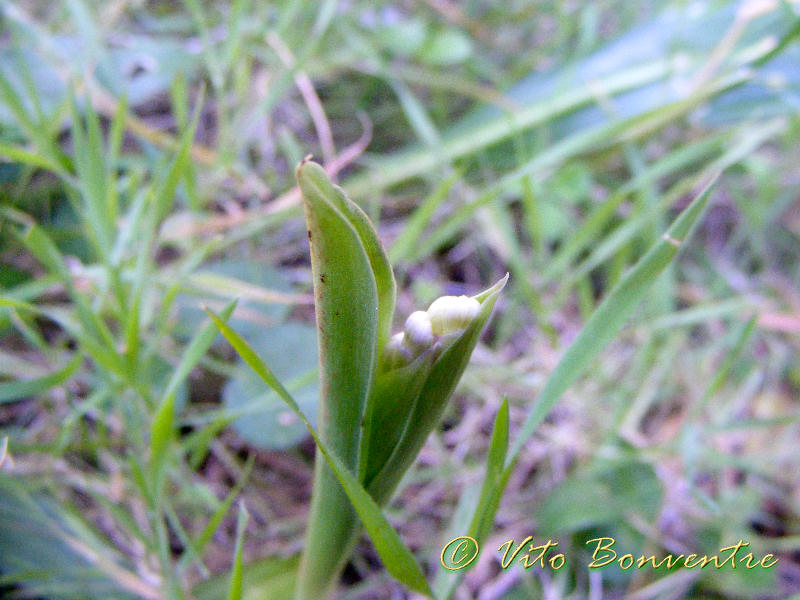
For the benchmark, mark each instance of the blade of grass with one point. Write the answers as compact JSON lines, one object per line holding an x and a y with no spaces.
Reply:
{"x":235,"y":588}
{"x":163,"y":423}
{"x":401,"y":166}
{"x":590,"y":229}
{"x":404,"y":244}
{"x":744,"y":334}
{"x":741,"y":146}
{"x":16,"y":390}
{"x":594,"y":139}
{"x":601,"y":328}
{"x":609,"y":317}
{"x":216,"y":519}
{"x":196,"y":349}
{"x":34,"y":159}
{"x":488,"y":501}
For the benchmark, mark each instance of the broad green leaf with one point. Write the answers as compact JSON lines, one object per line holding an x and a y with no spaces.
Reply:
{"x":315,"y":182}
{"x":601,"y":494}
{"x":446,"y":47}
{"x":348,"y":312}
{"x":347,"y":307}
{"x":262,"y":293}
{"x":397,"y":558}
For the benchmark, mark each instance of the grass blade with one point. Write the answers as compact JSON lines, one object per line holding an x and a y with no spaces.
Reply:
{"x":196,"y":349}
{"x":17,"y":390}
{"x":235,"y":588}
{"x":609,"y":317}
{"x":490,"y":494}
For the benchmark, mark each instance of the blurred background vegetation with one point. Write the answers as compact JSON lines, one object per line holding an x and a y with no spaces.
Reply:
{"x":148,"y":152}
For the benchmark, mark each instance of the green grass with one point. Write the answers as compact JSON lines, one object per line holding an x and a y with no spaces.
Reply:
{"x":147,"y":158}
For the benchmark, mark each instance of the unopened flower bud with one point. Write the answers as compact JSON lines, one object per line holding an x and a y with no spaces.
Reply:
{"x":450,"y":314}
{"x":395,"y":351}
{"x":418,"y":332}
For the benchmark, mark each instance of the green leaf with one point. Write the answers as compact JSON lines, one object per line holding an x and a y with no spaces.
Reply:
{"x":493,"y":481}
{"x":482,"y":506}
{"x":95,"y":334}
{"x":16,"y":154}
{"x":90,"y":165}
{"x":161,"y":432}
{"x":219,"y":514}
{"x":195,"y":351}
{"x":446,"y":47}
{"x":601,"y":327}
{"x":398,"y":559}
{"x":609,"y":317}
{"x":235,"y":588}
{"x":315,"y":183}
{"x":346,"y":299}
{"x":165,"y":193}
{"x":349,"y":315}
{"x":17,"y":390}
{"x":394,"y":396}
{"x":261,"y":417}
{"x":601,"y":494}
{"x":265,"y":579}
{"x":162,"y":428}
{"x":405,"y":244}
{"x":43,"y":555}
{"x":257,"y":287}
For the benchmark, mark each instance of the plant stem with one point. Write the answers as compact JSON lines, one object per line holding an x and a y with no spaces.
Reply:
{"x":331,"y":534}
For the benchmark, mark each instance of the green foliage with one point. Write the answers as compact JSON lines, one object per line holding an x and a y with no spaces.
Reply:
{"x":291,"y":350}
{"x":147,"y":155}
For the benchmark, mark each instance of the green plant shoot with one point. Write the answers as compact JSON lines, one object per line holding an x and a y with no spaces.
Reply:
{"x":380,"y":395}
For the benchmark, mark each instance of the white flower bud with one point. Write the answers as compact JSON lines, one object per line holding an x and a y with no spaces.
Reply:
{"x":450,"y":314}
{"x":395,"y":351}
{"x":418,"y":332}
